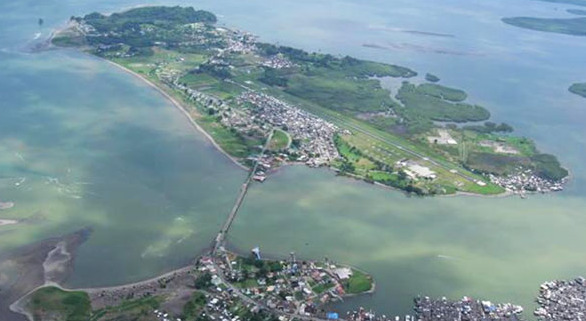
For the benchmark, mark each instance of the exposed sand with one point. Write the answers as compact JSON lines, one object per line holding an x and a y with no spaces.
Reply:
{"x":35,"y":265}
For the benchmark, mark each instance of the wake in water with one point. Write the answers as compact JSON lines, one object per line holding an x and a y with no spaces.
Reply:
{"x":72,"y":190}
{"x":447,"y":257}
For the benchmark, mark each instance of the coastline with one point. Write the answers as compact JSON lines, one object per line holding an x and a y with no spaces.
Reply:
{"x":181,"y":108}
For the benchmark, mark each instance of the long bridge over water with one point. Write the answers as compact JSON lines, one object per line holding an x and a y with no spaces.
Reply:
{"x":221,"y":236}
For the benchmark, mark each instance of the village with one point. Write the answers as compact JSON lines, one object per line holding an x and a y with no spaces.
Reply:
{"x":468,"y":309}
{"x":525,"y":180}
{"x":562,"y":300}
{"x":229,"y":287}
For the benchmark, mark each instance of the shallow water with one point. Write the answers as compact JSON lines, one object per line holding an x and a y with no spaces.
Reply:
{"x":97,"y":147}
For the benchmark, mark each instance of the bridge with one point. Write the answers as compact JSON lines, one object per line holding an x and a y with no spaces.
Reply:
{"x":221,"y":236}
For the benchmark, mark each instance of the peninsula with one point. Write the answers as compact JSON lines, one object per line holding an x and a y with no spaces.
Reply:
{"x":323,"y":110}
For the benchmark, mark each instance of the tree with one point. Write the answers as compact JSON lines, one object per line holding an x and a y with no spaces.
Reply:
{"x":203,"y":281}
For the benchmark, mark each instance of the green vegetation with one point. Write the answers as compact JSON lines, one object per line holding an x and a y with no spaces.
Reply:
{"x":232,"y":142}
{"x":428,"y":102}
{"x":490,"y":127}
{"x":280,"y":140}
{"x":131,"y":309}
{"x":340,"y":93}
{"x":165,"y":44}
{"x":573,"y":26}
{"x":64,"y":305}
{"x":193,"y":308}
{"x":578,"y":89}
{"x":359,"y":282}
{"x":548,"y":166}
{"x":577,"y":12}
{"x":431,"y":78}
{"x":129,"y":21}
{"x":442,"y":92}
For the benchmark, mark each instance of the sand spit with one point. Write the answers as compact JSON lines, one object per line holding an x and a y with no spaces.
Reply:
{"x":29,"y":267}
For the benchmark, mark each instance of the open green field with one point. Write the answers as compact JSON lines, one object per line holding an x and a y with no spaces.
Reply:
{"x":280,"y":140}
{"x":132,"y":309}
{"x":359,"y":282}
{"x":52,"y":302}
{"x":193,"y":308}
{"x":229,"y":140}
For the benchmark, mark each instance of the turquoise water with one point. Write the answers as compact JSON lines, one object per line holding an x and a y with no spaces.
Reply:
{"x":156,"y":192}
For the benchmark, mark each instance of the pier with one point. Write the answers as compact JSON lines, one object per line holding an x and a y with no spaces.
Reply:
{"x":221,"y":237}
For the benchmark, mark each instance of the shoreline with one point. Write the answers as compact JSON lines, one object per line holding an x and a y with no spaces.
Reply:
{"x":180,"y":107}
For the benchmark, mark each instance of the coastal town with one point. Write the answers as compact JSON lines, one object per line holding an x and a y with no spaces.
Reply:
{"x":562,"y":300}
{"x":237,"y":82}
{"x":442,"y":309}
{"x":227,"y":286}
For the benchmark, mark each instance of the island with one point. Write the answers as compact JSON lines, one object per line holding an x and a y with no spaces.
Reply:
{"x":578,"y":89}
{"x":318,"y":109}
{"x":569,"y":26}
{"x":578,"y":12}
{"x":431,"y":77}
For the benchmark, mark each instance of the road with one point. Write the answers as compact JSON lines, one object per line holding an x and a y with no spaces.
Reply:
{"x":221,"y":237}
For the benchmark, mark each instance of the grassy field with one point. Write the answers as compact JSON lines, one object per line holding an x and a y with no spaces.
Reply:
{"x":280,"y":140}
{"x":382,"y":148}
{"x":54,"y":303}
{"x":359,"y":282}
{"x":136,"y":310}
{"x":193,"y":308}
{"x":229,"y":140}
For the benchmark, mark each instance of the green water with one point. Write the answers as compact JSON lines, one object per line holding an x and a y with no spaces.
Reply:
{"x":83,"y":144}
{"x":156,"y":192}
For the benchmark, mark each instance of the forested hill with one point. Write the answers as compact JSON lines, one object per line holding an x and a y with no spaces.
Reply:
{"x":158,"y":16}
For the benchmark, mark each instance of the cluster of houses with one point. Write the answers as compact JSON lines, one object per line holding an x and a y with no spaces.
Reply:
{"x":526,"y":181}
{"x":428,"y":309}
{"x":288,"y":287}
{"x":277,"y":62}
{"x":314,"y":135}
{"x":562,"y":300}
